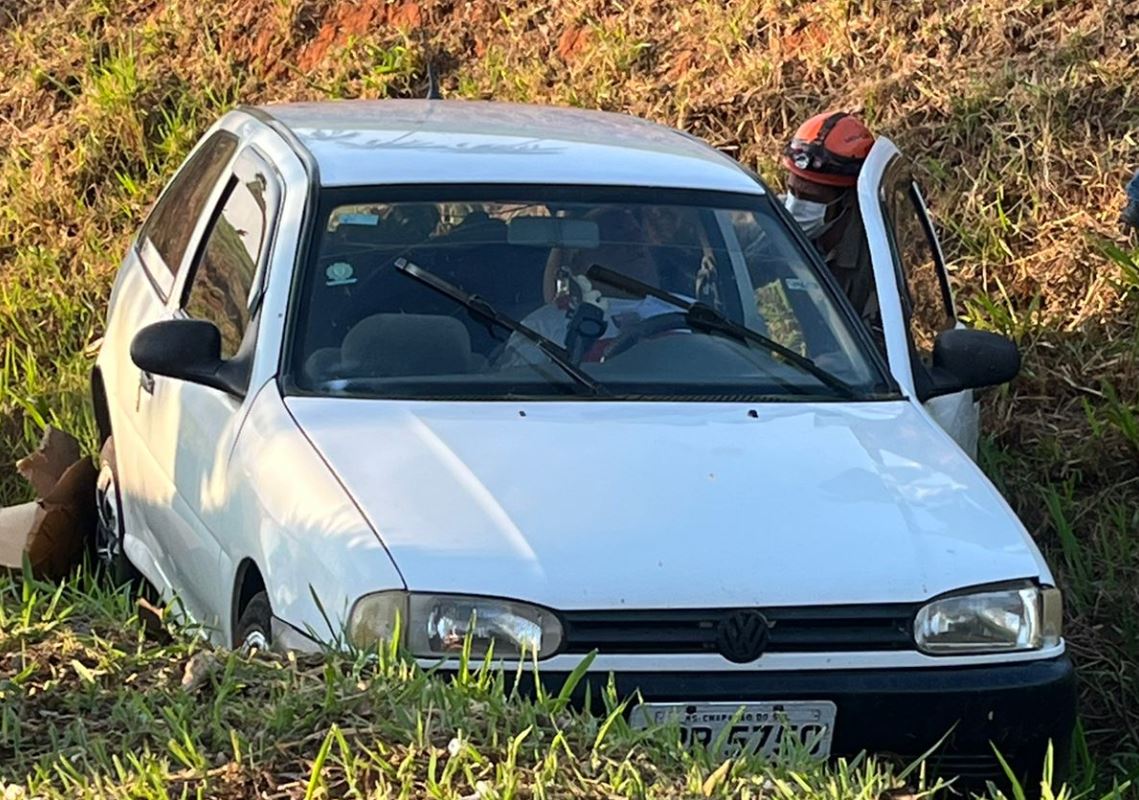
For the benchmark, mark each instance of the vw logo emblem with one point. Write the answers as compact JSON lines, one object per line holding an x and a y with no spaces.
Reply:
{"x":742,"y":636}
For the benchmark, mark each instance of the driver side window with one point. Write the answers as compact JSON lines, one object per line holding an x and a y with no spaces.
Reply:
{"x":926,"y":297}
{"x":223,"y":276}
{"x":170,"y":225}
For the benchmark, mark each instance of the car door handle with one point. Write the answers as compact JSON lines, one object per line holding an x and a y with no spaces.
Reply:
{"x":146,"y":381}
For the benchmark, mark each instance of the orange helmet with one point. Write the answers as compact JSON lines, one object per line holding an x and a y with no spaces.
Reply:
{"x":829,"y":148}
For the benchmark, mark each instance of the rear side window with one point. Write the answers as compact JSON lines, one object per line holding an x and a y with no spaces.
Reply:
{"x":171,"y":223}
{"x":222,"y":283}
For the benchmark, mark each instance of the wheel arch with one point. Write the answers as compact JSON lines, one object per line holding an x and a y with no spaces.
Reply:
{"x":101,"y":407}
{"x":247,"y":583}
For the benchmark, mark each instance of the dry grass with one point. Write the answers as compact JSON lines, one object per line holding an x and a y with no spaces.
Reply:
{"x":1019,"y":115}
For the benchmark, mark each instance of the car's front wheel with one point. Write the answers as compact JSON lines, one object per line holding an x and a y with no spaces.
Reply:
{"x":109,"y":552}
{"x":254,"y":630}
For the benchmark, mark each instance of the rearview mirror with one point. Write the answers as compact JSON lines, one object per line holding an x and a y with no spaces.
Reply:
{"x":968,"y":359}
{"x":185,"y":349}
{"x":553,"y":232}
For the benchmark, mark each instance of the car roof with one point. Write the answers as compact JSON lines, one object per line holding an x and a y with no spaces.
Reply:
{"x":367,"y":142}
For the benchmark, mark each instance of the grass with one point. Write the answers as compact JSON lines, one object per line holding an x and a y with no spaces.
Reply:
{"x":95,"y":704}
{"x":1020,"y":116}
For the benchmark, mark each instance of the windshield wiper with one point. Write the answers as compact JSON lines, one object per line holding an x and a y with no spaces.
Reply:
{"x":477,"y":305}
{"x":701,"y":316}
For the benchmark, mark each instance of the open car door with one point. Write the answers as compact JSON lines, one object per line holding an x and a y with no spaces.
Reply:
{"x":914,"y":297}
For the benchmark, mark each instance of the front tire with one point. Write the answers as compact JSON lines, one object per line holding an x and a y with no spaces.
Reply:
{"x":254,"y":629}
{"x":107,"y":546}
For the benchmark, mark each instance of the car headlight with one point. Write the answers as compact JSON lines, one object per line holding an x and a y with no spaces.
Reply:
{"x":436,"y":625}
{"x":992,"y":621}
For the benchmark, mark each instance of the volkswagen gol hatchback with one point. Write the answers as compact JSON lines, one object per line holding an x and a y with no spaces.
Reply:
{"x":569,"y":383}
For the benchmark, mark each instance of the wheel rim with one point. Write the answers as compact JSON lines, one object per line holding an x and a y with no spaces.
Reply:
{"x":108,"y":527}
{"x":255,"y":640}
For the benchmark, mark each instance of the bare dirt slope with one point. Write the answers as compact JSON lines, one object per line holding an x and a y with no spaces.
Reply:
{"x":1019,"y":114}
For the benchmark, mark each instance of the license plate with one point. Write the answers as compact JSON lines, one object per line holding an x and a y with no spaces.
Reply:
{"x":759,"y":728}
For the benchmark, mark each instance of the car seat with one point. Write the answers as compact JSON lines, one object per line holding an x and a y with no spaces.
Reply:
{"x":397,"y":346}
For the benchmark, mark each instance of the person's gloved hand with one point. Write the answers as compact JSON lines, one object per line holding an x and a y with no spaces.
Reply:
{"x":589,"y":294}
{"x":706,"y":289}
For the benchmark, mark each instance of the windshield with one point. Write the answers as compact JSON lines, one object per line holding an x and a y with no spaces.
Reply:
{"x":493,"y":294}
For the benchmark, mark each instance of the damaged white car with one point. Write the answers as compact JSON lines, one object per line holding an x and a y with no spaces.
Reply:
{"x":570,"y":382}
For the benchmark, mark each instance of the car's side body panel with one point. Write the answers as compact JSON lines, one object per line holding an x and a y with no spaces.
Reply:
{"x":145,"y":292}
{"x":176,"y":438}
{"x":135,"y":302}
{"x":153,"y":526}
{"x":287,"y":513}
{"x":177,"y":546}
{"x":195,"y":427}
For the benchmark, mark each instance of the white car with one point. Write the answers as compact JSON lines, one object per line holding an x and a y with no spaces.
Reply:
{"x":572,"y":383}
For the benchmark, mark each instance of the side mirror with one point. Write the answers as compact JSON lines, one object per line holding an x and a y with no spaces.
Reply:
{"x":186,"y":349}
{"x":968,"y":359}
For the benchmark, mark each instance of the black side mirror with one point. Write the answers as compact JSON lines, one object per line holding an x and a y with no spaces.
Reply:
{"x":186,"y":349}
{"x":968,"y":359}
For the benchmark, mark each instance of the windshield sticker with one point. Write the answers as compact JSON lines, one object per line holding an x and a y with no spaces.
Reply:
{"x":799,"y":285}
{"x":360,"y":219}
{"x":339,"y":274}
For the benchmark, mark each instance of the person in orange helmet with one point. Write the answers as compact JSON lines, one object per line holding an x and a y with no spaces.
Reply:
{"x":824,"y":158}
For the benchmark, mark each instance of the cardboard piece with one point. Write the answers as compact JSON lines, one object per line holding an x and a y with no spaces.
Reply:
{"x":54,"y":529}
{"x":44,"y":467}
{"x":16,"y":523}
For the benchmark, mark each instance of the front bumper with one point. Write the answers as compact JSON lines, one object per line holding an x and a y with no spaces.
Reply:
{"x":1017,"y":708}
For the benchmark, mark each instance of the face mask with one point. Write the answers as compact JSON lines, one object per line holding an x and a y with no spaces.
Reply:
{"x":811,"y":215}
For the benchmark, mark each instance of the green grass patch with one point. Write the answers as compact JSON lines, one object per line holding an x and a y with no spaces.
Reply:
{"x":95,"y":704}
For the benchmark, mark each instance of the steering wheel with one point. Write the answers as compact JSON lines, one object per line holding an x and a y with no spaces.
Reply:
{"x":647,"y":328}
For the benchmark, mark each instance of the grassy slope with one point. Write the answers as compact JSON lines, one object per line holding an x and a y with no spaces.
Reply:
{"x":1018,"y":113}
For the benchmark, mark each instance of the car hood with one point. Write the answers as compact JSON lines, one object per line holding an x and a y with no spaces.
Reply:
{"x":649,"y":505}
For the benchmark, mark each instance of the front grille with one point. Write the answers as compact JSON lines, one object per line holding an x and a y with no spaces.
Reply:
{"x":966,"y":767}
{"x":971,"y":769}
{"x":790,"y":630}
